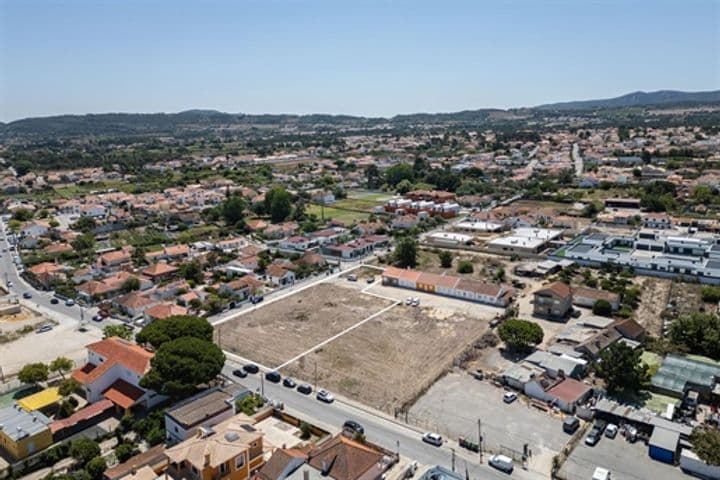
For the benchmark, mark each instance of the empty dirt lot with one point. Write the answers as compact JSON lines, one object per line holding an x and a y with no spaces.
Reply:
{"x":277,"y":332}
{"x":393,"y":358}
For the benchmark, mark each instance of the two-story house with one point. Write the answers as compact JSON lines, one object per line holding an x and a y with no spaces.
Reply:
{"x":553,"y":301}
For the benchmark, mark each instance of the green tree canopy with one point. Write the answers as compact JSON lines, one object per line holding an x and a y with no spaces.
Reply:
{"x":181,"y":365}
{"x":84,"y":242}
{"x":84,"y":449}
{"x":33,"y":373}
{"x":131,"y":284}
{"x":706,"y":443}
{"x":122,"y":331}
{"x":61,"y":365}
{"x":446,"y":258}
{"x":85,"y":224}
{"x":406,"y":252}
{"x":621,"y":367}
{"x":398,"y":173}
{"x":232,"y":210}
{"x":192,"y":271}
{"x":96,"y":467}
{"x":158,"y":333}
{"x":698,"y":333}
{"x":69,"y":386}
{"x":465,"y":266}
{"x":278,"y":204}
{"x":602,"y":307}
{"x":520,"y":335}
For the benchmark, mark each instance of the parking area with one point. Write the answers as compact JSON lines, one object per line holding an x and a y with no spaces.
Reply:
{"x":453,"y":405}
{"x":628,"y":461}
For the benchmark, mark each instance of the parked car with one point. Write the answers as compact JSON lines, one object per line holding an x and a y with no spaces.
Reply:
{"x":570,"y":425}
{"x":596,"y":433}
{"x":415,"y":302}
{"x":325,"y":396}
{"x":354,"y":427}
{"x":611,"y":430}
{"x":44,"y":328}
{"x":10,"y":283}
{"x":97,"y":318}
{"x":69,"y":302}
{"x":27,"y":295}
{"x":509,"y":397}
{"x":408,"y":301}
{"x":575,"y":313}
{"x":432,"y":439}
{"x":289,"y":382}
{"x":601,"y":474}
{"x":239,"y":372}
{"x":273,"y":377}
{"x":305,"y":389}
{"x":478,"y":374}
{"x":501,"y":462}
{"x":370,"y":279}
{"x":251,"y":368}
{"x":54,"y":301}
{"x":352,"y":278}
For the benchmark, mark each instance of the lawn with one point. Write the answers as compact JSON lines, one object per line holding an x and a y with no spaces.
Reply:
{"x":344,"y":216}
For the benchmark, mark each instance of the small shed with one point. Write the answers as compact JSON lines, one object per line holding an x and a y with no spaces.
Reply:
{"x":664,"y":445}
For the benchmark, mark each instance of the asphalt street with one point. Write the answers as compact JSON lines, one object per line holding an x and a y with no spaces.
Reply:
{"x":379,"y":428}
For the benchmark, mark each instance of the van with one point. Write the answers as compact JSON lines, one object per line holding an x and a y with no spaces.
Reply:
{"x":570,"y":425}
{"x":501,"y":462}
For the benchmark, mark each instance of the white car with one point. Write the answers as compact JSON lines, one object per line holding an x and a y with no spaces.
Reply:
{"x":611,"y":430}
{"x":408,"y":300}
{"x":415,"y":302}
{"x":432,"y":439}
{"x":509,"y":397}
{"x":501,"y":462}
{"x":325,"y":396}
{"x":601,"y":474}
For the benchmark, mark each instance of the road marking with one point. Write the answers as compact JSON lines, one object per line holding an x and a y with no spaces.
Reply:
{"x":338,"y":335}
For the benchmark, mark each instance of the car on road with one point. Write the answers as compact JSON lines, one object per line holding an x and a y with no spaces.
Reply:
{"x":415,"y":302}
{"x":611,"y":430}
{"x":509,"y":397}
{"x":251,"y":368}
{"x":27,"y":295}
{"x":595,"y":434}
{"x":239,"y":372}
{"x":305,"y":389}
{"x":10,"y":284}
{"x":97,"y":318}
{"x":354,"y":427}
{"x":273,"y":377}
{"x":501,"y":462}
{"x":54,"y":301}
{"x":256,"y":299}
{"x":289,"y":382}
{"x":352,"y":278}
{"x":325,"y":396}
{"x":432,"y":439}
{"x":370,"y":279}
{"x":408,"y":301}
{"x":44,"y":328}
{"x":69,"y":302}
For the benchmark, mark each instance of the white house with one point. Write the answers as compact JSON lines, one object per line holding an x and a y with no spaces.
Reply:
{"x":113,"y":371}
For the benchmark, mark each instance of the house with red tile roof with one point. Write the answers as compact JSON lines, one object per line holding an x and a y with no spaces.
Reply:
{"x":157,"y":272}
{"x":279,"y":275}
{"x":459,"y":287}
{"x":565,"y":393}
{"x":113,"y":371}
{"x":47,"y":272}
{"x":553,"y":301}
{"x":134,"y":303}
{"x":163,"y":310}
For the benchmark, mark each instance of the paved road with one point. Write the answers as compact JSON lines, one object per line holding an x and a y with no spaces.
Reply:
{"x":379,"y":428}
{"x":40,"y":301}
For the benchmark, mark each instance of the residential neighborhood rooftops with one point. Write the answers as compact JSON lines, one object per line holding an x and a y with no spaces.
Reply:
{"x":41,"y":399}
{"x":204,"y":406}
{"x":18,"y":423}
{"x":114,"y":350}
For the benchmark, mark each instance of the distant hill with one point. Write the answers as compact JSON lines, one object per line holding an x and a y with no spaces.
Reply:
{"x":194,"y":122}
{"x":639,"y":99}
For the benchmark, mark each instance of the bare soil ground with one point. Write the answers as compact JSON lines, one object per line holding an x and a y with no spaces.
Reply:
{"x":279,"y":331}
{"x":654,"y":298}
{"x":391,"y":360}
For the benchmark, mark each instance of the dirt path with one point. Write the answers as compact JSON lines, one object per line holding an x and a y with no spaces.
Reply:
{"x":654,"y":298}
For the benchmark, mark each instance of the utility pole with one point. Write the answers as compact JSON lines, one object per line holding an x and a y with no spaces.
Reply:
{"x":453,"y":459}
{"x":262,"y":385}
{"x":480,"y":439}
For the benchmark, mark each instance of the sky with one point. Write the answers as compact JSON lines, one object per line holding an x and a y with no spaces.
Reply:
{"x":360,"y":57}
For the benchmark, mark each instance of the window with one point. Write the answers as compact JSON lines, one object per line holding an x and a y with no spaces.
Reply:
{"x":194,"y":471}
{"x":239,"y":461}
{"x":223,"y":469}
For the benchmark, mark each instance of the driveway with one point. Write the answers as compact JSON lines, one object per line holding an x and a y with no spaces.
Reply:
{"x":455,"y":403}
